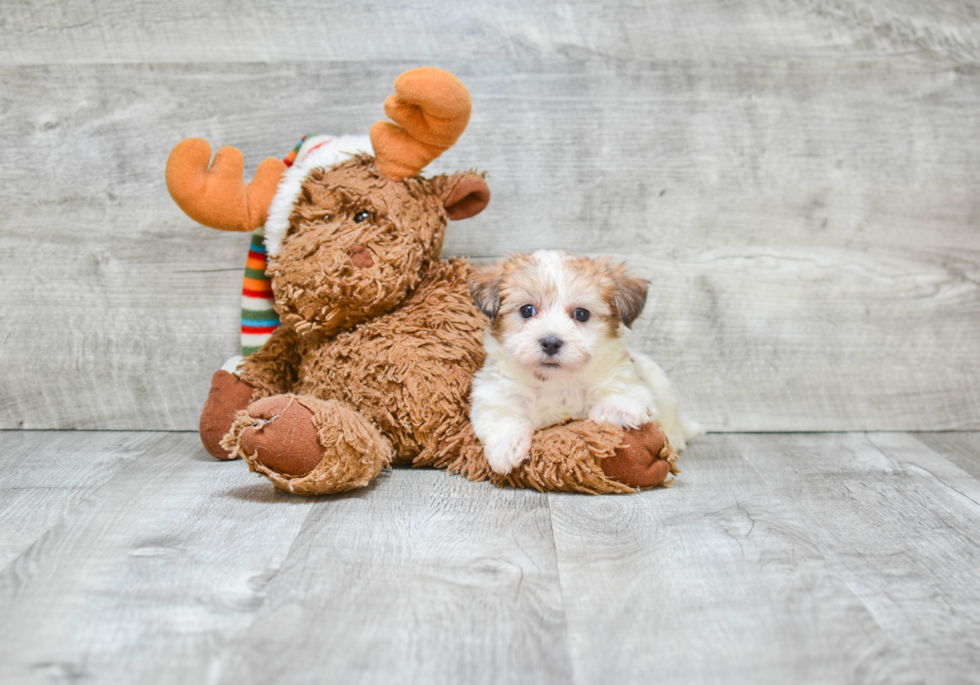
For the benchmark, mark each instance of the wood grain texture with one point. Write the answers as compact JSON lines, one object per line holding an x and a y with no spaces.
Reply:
{"x":818,"y":339}
{"x":900,"y":522}
{"x":963,"y":449}
{"x":46,"y":31}
{"x":844,"y":558}
{"x":151,"y":575}
{"x":716,"y":580}
{"x":45,"y":476}
{"x":424,"y":578}
{"x":797,"y":179}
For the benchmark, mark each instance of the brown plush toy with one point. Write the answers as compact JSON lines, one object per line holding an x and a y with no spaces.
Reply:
{"x":379,"y":338}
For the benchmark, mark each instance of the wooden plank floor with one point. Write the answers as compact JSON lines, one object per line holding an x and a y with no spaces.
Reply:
{"x":777,"y":558}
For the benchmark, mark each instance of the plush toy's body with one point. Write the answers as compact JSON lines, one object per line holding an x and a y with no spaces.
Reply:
{"x":402,"y":378}
{"x":379,"y":339}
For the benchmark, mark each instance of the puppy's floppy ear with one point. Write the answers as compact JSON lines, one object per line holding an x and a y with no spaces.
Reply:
{"x":630,"y":295}
{"x":485,"y":288}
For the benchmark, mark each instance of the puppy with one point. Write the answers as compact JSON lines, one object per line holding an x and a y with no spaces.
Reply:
{"x":555,"y":352}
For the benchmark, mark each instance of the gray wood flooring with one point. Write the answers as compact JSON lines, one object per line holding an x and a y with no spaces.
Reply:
{"x":777,"y":558}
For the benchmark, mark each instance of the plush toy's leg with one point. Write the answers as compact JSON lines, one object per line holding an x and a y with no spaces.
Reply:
{"x":644,"y":459}
{"x":307,"y":445}
{"x":228,"y":396}
{"x":580,"y":457}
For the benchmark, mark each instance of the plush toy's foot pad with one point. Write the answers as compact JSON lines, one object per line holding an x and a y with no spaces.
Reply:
{"x":307,"y":445}
{"x":228,"y":396}
{"x":645,"y":459}
{"x":280,"y":435}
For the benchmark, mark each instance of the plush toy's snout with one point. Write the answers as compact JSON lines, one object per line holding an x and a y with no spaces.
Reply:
{"x":361,"y":257}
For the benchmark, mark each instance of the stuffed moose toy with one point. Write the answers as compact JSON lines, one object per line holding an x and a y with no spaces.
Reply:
{"x":378,"y":338}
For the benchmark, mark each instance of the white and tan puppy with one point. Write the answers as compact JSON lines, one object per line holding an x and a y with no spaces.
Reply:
{"x":555,"y":352}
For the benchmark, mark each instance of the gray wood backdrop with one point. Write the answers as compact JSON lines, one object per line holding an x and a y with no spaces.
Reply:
{"x":798,"y":178}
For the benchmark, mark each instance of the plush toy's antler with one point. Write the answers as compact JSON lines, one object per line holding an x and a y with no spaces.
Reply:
{"x":432,"y":107}
{"x":218,"y":197}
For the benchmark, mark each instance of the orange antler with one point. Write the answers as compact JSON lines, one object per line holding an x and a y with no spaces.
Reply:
{"x":432,"y":107}
{"x":218,"y":197}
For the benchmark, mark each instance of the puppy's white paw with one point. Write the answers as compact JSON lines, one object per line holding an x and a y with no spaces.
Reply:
{"x":509,"y":448}
{"x":620,"y":411}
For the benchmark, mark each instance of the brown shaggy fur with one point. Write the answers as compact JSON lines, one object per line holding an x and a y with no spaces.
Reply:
{"x":379,"y":351}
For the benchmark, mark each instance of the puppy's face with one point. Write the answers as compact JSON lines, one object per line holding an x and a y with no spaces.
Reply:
{"x":551,"y":311}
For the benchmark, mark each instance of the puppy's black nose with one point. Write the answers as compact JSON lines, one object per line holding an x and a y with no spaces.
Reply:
{"x":551,"y":346}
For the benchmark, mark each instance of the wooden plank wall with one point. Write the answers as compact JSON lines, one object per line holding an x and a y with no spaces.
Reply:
{"x":798,"y":178}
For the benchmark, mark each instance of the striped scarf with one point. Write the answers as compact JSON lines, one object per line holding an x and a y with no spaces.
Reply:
{"x":259,"y":319}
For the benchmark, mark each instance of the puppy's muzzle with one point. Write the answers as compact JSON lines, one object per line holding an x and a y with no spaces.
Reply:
{"x":551,"y":345}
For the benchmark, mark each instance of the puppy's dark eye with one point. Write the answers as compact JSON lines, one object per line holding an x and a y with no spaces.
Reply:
{"x":581,"y":314}
{"x":528,"y":310}
{"x":361,"y":217}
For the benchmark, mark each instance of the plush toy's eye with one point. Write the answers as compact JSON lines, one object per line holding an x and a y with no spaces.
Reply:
{"x":581,"y":314}
{"x":361,"y":216}
{"x":527,"y":311}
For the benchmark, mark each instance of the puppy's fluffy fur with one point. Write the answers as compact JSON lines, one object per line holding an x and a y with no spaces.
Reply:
{"x":555,"y":352}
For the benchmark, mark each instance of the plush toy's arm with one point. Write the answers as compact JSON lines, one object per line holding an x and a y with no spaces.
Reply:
{"x":581,"y":456}
{"x":274,"y":368}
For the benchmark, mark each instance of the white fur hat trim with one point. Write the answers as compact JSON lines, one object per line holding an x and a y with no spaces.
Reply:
{"x":317,"y":152}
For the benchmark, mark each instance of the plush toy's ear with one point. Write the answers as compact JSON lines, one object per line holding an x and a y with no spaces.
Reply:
{"x":485,"y":288}
{"x":463,"y":195}
{"x":630,"y":295}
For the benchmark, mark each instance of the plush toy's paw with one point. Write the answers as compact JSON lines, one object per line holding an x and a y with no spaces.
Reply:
{"x":309,"y":446}
{"x":645,"y":458}
{"x":619,"y":411}
{"x":281,"y":435}
{"x":509,"y":447}
{"x":228,"y":396}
